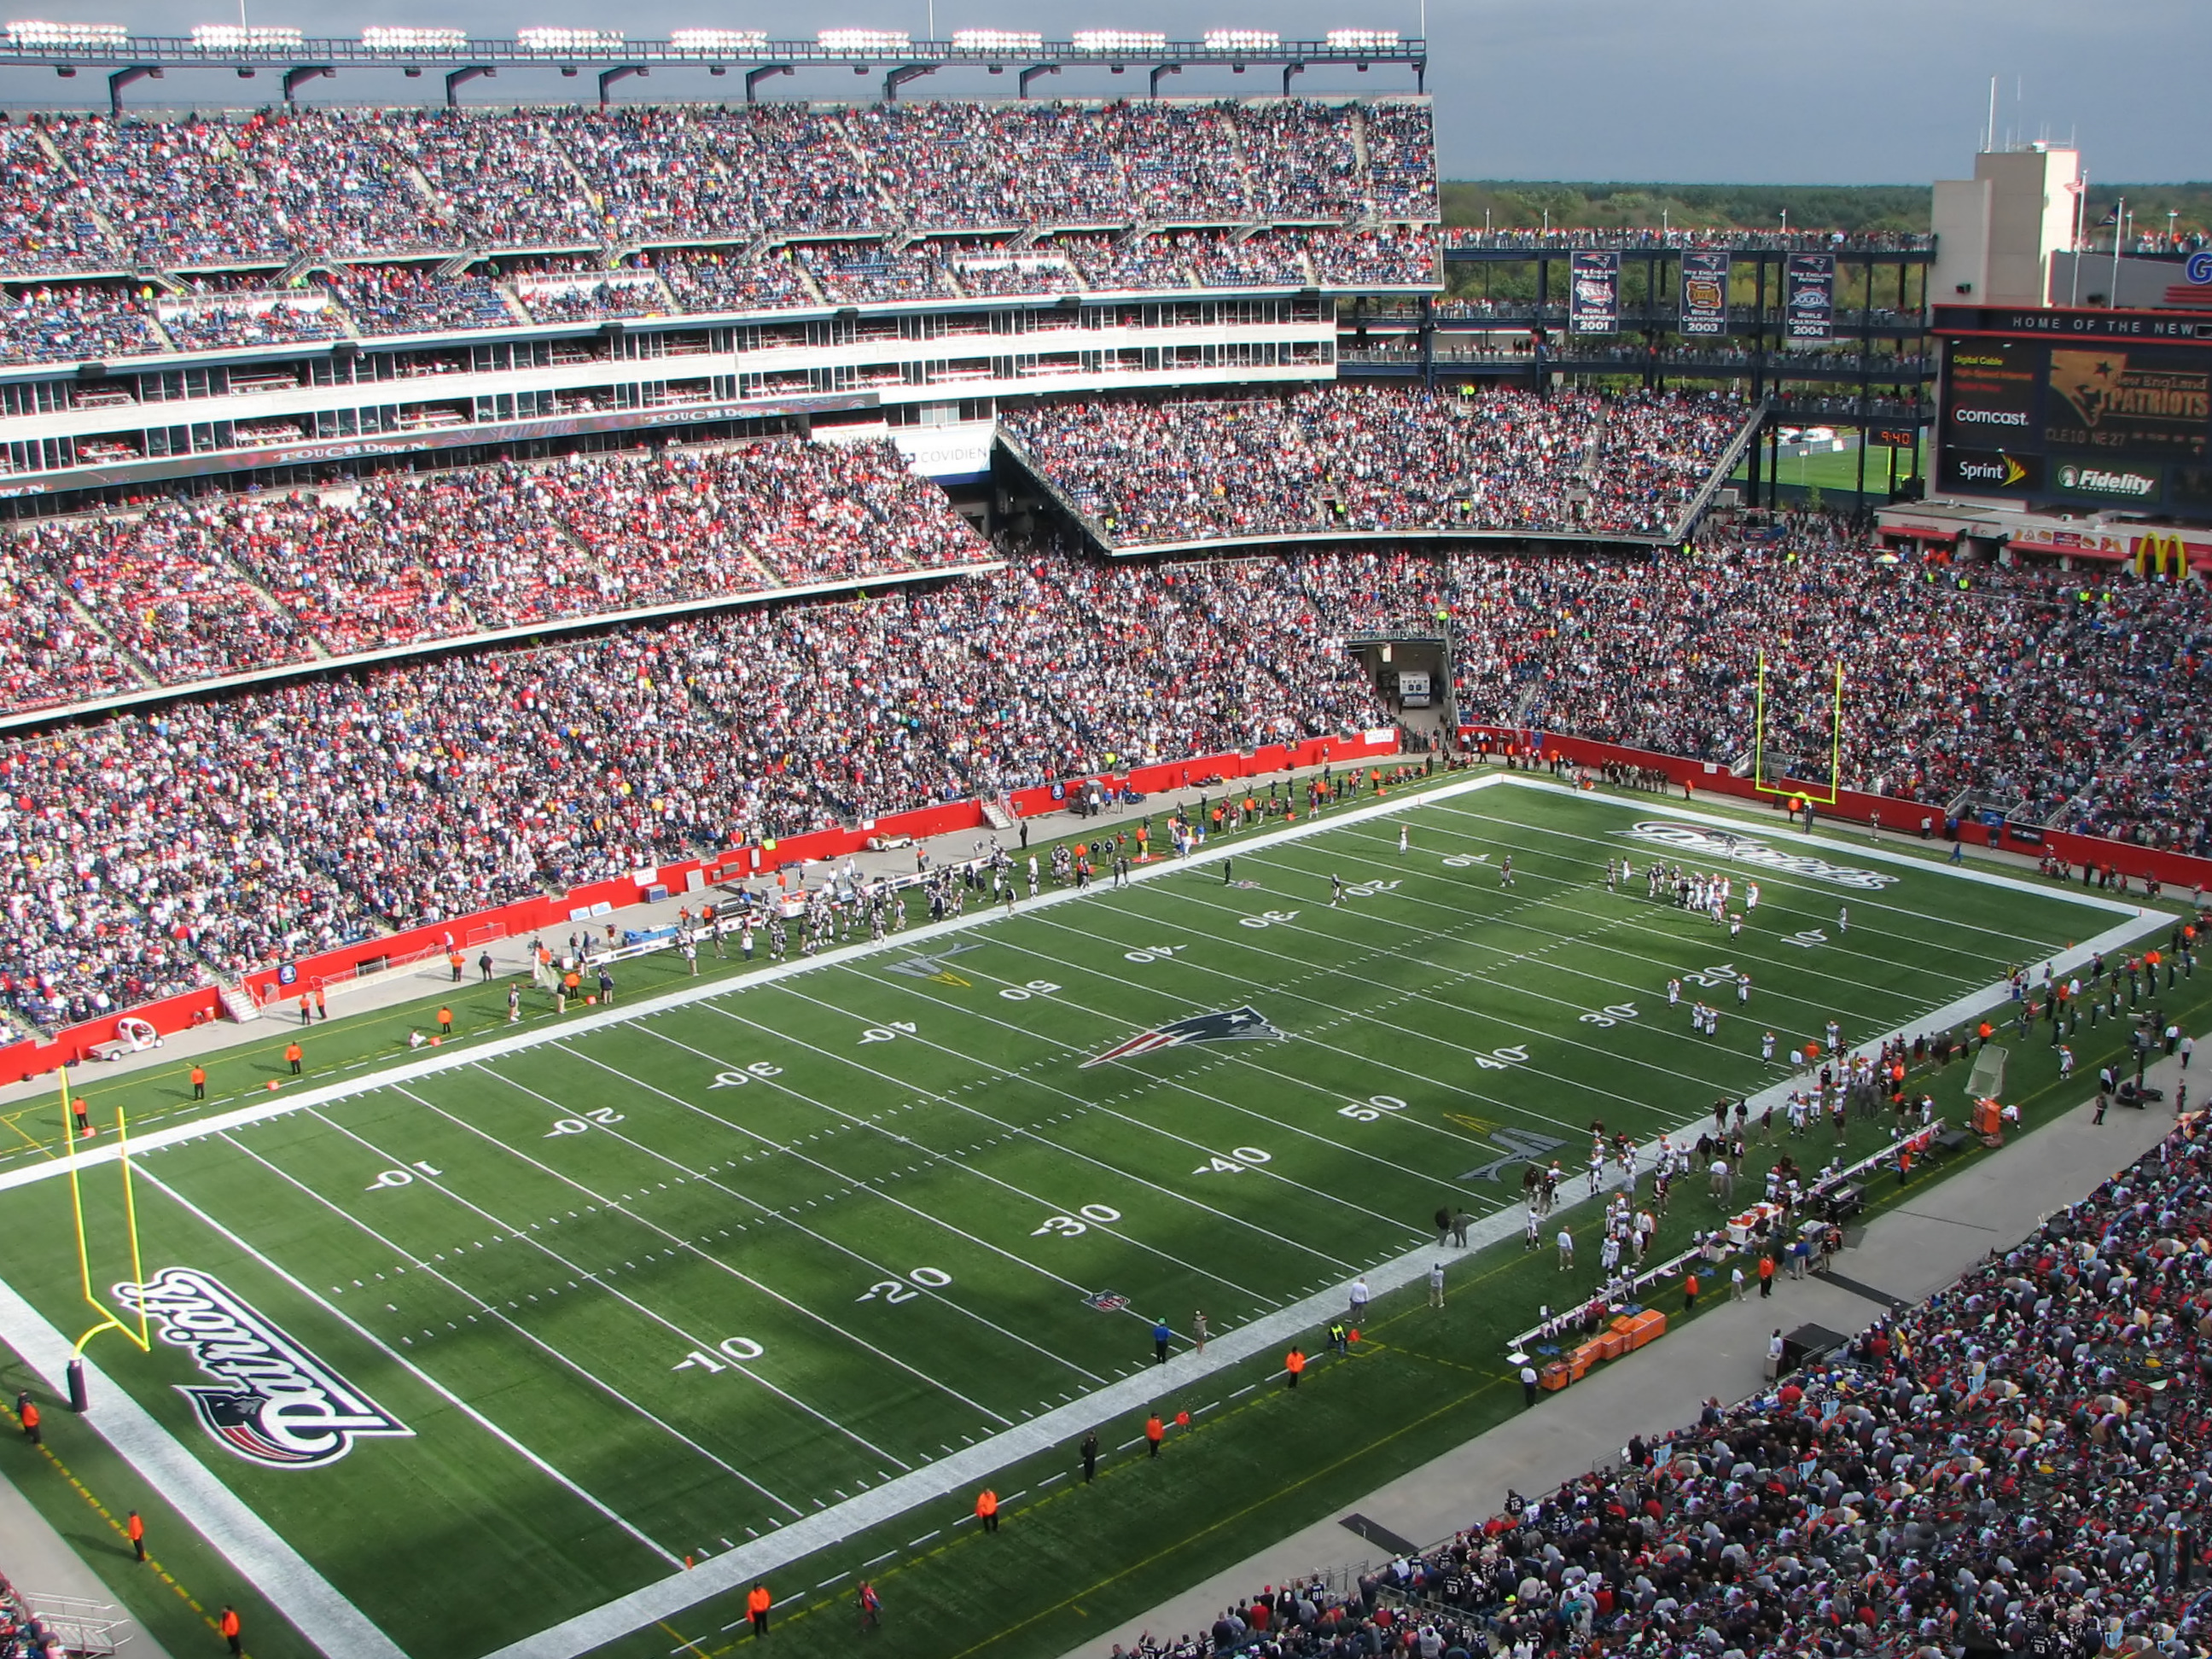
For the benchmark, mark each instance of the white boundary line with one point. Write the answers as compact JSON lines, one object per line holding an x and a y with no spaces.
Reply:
{"x":340,"y":1629}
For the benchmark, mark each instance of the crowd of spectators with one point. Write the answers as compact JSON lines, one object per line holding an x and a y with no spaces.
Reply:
{"x":152,"y":852}
{"x":2048,"y":696}
{"x":2017,"y":1465}
{"x":1351,"y":457}
{"x":151,"y":849}
{"x":244,"y":312}
{"x":72,"y":321}
{"x":416,"y":300}
{"x":362,"y":183}
{"x":1626,"y":236}
{"x":195,"y":591}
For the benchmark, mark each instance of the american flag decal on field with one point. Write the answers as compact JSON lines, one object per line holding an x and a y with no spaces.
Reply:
{"x":1230,"y":1023}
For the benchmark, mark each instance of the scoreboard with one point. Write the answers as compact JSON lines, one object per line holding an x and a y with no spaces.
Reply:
{"x":2081,"y":407}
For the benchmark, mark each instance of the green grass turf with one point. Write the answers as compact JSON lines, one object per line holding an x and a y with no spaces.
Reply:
{"x":1835,"y":472}
{"x":877,"y":1213}
{"x":351,"y":1043}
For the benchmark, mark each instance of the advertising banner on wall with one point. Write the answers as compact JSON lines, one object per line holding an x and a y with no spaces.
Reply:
{"x":1992,"y":390}
{"x":1809,"y":296}
{"x":1594,"y":302}
{"x":1705,"y":292}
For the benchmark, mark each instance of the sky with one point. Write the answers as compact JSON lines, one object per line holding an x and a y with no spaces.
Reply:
{"x":1690,"y":91}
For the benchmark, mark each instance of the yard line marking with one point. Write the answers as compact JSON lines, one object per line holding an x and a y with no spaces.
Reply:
{"x":1101,"y":1106}
{"x":375,"y":1342}
{"x":931,"y":1292}
{"x":1461,"y":1089}
{"x":1702,"y":1083}
{"x":585,"y":1632}
{"x":945,"y":1161}
{"x":1571,"y":889}
{"x":438,"y":1186}
{"x":1164,"y":1082}
{"x":1783,"y":838}
{"x":1027,"y":1133}
{"x":545,"y":1029}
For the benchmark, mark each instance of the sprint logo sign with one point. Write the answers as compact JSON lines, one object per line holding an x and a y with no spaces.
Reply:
{"x":278,"y":1404}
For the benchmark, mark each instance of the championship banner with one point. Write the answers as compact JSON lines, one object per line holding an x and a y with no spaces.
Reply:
{"x":1594,"y":301}
{"x":1810,"y":296}
{"x":1705,"y":292}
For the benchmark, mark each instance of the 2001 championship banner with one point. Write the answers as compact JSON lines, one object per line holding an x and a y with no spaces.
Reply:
{"x":1594,"y":300}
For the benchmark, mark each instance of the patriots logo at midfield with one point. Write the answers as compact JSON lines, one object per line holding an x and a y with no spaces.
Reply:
{"x":1230,"y":1024}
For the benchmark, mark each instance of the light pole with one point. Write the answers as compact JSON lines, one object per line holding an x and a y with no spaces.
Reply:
{"x":2120,"y":233}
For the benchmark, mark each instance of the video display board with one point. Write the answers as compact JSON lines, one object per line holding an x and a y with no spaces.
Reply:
{"x":2116,"y":423}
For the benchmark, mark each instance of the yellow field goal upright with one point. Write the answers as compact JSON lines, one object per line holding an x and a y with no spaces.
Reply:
{"x":109,"y":1319}
{"x":1835,"y":744}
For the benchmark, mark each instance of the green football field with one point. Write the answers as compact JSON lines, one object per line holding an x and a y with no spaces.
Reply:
{"x":555,"y":1343}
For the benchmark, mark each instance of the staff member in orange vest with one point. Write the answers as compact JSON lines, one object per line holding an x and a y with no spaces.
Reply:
{"x":200,"y":1083}
{"x":293,"y":1053}
{"x":1294,"y":1362}
{"x":135,"y":1530}
{"x":757,"y":1603}
{"x":28,"y":1409}
{"x":446,"y":1021}
{"x":228,"y":1626}
{"x":987,"y":1509}
{"x":1155,"y":1431}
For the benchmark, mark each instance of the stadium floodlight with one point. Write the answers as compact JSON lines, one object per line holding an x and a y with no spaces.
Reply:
{"x":733,"y":40}
{"x":996,"y":40}
{"x":1363,"y":40}
{"x":413,"y":39}
{"x":1119,"y":41}
{"x":32,"y":33}
{"x":1242,"y":40}
{"x":237,"y":37}
{"x":865,"y":42}
{"x":559,"y":39}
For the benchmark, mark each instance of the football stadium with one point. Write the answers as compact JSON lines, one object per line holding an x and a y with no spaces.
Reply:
{"x":1028,"y":875}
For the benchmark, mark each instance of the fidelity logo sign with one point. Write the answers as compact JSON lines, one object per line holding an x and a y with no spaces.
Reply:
{"x":279,"y":1406}
{"x":2108,"y":481}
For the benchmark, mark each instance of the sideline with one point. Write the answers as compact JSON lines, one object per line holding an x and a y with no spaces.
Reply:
{"x":341,"y":1629}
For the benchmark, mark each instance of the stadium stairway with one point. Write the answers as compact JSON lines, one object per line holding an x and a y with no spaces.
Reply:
{"x":44,"y":1566}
